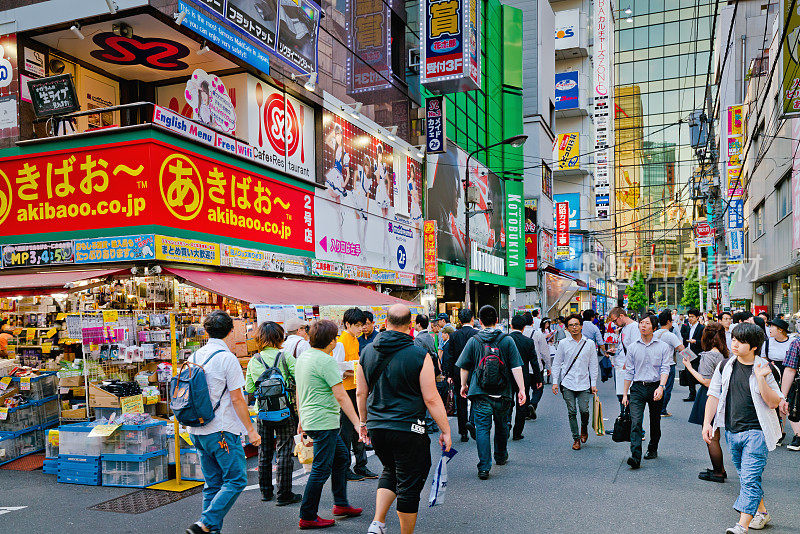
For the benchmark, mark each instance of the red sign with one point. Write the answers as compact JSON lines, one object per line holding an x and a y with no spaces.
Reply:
{"x":562,"y":224}
{"x":531,"y":252}
{"x":429,"y":251}
{"x":148,"y":182}
{"x":703,"y":229}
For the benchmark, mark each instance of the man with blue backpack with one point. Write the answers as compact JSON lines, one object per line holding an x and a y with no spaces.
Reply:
{"x":207,"y":396}
{"x":270,"y":377}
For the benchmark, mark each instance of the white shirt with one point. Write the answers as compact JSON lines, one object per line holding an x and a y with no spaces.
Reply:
{"x":777,"y":349}
{"x":542,"y":348}
{"x":692,"y":328}
{"x":583,"y":373}
{"x":527,"y":331}
{"x":729,"y":341}
{"x":295,"y":342}
{"x":670,"y":339}
{"x":627,"y":336}
{"x":221,"y":370}
{"x":537,"y":321}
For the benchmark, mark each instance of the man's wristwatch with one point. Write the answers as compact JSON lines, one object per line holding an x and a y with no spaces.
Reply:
{"x":363,"y":424}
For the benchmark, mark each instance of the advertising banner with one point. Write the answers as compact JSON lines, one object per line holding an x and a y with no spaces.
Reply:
{"x":38,"y":254}
{"x":148,"y":182}
{"x":369,"y":39}
{"x":285,"y":28}
{"x":450,"y":45}
{"x":735,"y":120}
{"x":106,"y":249}
{"x":531,"y":215}
{"x":796,"y":183}
{"x":602,"y":91}
{"x":735,"y":246}
{"x":790,"y":60}
{"x":186,"y":250}
{"x":736,"y":213}
{"x":435,"y":123}
{"x":546,"y":246}
{"x":573,"y":259}
{"x":735,"y":151}
{"x":567,"y":30}
{"x":429,"y":248}
{"x":531,"y":252}
{"x":515,"y":230}
{"x":735,"y":185}
{"x":567,"y":90}
{"x":260,"y":260}
{"x":562,"y":229}
{"x":574,"y":202}
{"x":445,"y":176}
{"x":566,"y":151}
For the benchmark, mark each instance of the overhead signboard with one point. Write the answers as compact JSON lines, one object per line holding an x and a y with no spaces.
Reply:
{"x":566,"y":151}
{"x":573,"y":259}
{"x":450,"y":45}
{"x":54,"y":95}
{"x":567,"y":90}
{"x":573,"y":200}
{"x":435,"y":124}
{"x":515,"y":230}
{"x":531,"y":252}
{"x":567,"y":29}
{"x":790,"y":59}
{"x":562,"y":229}
{"x":38,"y":254}
{"x":429,"y":248}
{"x":109,"y":249}
{"x":603,"y":94}
{"x":546,"y":246}
{"x":369,"y":41}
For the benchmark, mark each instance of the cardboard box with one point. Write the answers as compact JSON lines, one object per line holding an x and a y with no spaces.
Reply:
{"x":75,"y":413}
{"x":100,"y":398}
{"x":162,"y":408}
{"x":70,"y":381}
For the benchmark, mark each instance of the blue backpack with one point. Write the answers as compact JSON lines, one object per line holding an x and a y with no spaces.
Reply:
{"x":272,"y":391}
{"x":191,"y":401}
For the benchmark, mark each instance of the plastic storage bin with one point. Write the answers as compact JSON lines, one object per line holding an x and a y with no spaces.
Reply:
{"x":79,"y":470}
{"x":105,"y":413}
{"x":30,"y":442}
{"x":19,"y":418}
{"x":74,"y":440}
{"x":8,"y":448}
{"x":41,"y":386}
{"x":47,"y":410}
{"x":137,"y":439}
{"x":190,"y":465}
{"x":135,"y":473}
{"x":51,"y":443}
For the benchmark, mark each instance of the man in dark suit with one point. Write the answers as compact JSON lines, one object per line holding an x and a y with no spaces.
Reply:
{"x":527,"y":350}
{"x":458,"y":340}
{"x":692,"y":333}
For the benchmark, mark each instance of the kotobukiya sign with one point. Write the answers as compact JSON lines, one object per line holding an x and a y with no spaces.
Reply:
{"x":450,"y":39}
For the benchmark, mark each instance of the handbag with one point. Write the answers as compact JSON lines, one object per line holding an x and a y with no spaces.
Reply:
{"x":685,"y":377}
{"x":622,"y":427}
{"x":597,"y":417}
{"x":450,"y":402}
{"x":793,"y":398}
{"x":606,"y":368}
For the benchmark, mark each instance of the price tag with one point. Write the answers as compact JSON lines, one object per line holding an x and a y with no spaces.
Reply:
{"x":3,"y":414}
{"x":17,"y":331}
{"x":25,"y":383}
{"x":5,"y":382}
{"x":110,"y":316}
{"x":103,"y":431}
{"x":61,"y":316}
{"x":46,"y":348}
{"x":51,"y":332}
{"x":133,"y":404}
{"x":31,"y":333}
{"x":94,"y":347}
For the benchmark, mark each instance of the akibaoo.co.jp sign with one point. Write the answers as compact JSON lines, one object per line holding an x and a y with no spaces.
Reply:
{"x":150,"y":183}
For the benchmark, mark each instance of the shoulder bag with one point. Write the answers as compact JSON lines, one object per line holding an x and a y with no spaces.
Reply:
{"x":622,"y":426}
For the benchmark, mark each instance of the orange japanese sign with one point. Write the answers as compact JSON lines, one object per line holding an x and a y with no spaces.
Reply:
{"x":429,"y":248}
{"x":150,"y":183}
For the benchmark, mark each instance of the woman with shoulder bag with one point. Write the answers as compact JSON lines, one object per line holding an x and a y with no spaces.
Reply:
{"x":715,"y":352}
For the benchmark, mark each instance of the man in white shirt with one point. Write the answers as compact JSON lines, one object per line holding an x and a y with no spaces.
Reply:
{"x":219,"y":442}
{"x":628,"y":334}
{"x":665,"y":334}
{"x":779,"y":341}
{"x":297,"y":337}
{"x":537,"y":321}
{"x":575,"y":371}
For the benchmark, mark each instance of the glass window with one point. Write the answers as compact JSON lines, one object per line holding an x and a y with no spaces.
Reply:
{"x":656,"y":68}
{"x":656,"y":103}
{"x":669,"y":5}
{"x":626,"y":74}
{"x":656,"y":6}
{"x":784,"y":200}
{"x":671,"y":33}
{"x":626,"y":40}
{"x":640,"y":36}
{"x":657,"y":35}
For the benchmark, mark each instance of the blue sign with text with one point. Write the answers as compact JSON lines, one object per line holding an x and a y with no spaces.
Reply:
{"x":574,"y":200}
{"x":567,"y":95}
{"x":736,"y":213}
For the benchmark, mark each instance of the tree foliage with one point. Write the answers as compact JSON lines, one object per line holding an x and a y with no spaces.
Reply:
{"x":637,"y":292}
{"x":691,"y":290}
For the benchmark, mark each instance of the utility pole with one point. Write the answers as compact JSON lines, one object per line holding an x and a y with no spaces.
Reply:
{"x":718,"y":218}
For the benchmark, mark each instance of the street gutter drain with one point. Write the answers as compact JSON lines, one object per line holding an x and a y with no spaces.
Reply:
{"x":144,"y":500}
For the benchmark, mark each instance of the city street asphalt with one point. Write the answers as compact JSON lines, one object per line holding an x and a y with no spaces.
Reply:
{"x":545,"y":487}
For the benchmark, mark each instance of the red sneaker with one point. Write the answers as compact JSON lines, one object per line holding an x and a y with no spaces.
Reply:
{"x":317,"y":523}
{"x":348,"y":511}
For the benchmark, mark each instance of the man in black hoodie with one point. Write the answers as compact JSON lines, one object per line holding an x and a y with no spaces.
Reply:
{"x":396,"y":384}
{"x":493,"y":404}
{"x":458,"y":340}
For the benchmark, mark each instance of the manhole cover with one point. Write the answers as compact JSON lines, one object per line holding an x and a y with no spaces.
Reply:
{"x":144,"y":500}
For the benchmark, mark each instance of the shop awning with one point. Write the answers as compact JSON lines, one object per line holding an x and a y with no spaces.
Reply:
{"x":255,"y":289}
{"x":558,"y":272}
{"x":49,"y":282}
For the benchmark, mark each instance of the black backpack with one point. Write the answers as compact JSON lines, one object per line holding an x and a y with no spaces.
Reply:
{"x":272,"y":392}
{"x":492,"y":370}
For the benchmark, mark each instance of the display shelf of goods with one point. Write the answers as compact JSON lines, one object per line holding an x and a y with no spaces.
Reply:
{"x":134,"y":471}
{"x":190,"y":465}
{"x":137,"y":439}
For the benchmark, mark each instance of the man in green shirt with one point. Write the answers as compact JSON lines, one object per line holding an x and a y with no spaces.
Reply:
{"x":320,"y":397}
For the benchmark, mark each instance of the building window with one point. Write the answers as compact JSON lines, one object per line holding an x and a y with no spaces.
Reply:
{"x":758,"y":214}
{"x":783,"y":190}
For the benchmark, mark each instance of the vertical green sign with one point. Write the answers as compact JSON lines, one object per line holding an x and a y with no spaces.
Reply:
{"x":515,"y":232}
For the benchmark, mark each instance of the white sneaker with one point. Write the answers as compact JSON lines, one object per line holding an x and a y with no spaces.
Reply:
{"x":760,"y":520}
{"x":377,"y":528}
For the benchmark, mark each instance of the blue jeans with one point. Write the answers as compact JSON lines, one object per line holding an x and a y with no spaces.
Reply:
{"x":668,"y":388}
{"x":331,"y":460}
{"x":225,"y":473}
{"x":749,"y":455}
{"x":485,"y":410}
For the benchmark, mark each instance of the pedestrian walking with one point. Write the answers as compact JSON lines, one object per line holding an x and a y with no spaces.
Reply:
{"x":575,"y":371}
{"x":457,"y":343}
{"x":396,"y":386}
{"x":276,"y":437}
{"x":531,"y":374}
{"x":353,"y":321}
{"x":715,"y":351}
{"x":296,"y":337}
{"x":646,"y":371}
{"x":692,"y":333}
{"x":725,"y":319}
{"x":628,"y":334}
{"x":742,"y":399}
{"x":488,"y":363}
{"x":321,"y":397}
{"x":788,"y":381}
{"x":666,"y":334}
{"x":592,"y":332}
{"x":542,"y":348}
{"x":368,"y":332}
{"x":219,"y":442}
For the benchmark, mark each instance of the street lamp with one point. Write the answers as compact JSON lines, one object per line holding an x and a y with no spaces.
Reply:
{"x":516,"y":142}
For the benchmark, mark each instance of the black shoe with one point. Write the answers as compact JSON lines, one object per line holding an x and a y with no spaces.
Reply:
{"x":709,"y":471}
{"x":267,"y":496}
{"x":294,"y":499}
{"x":711,"y":477}
{"x":464,"y":438}
{"x":795,"y":444}
{"x":651,"y":455}
{"x":483,"y":475}
{"x":780,"y":441}
{"x":353,"y":477}
{"x":688,"y":399}
{"x":365,"y":473}
{"x":504,"y":461}
{"x":471,"y":430}
{"x":517,"y":438}
{"x":634,"y":463}
{"x":194,"y":528}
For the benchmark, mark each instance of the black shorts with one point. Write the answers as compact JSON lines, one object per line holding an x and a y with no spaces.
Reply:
{"x":406,"y":459}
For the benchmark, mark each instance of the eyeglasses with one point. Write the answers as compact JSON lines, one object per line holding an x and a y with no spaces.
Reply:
{"x":574,"y":324}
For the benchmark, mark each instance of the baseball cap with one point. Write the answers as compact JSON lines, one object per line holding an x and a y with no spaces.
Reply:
{"x":780,"y":323}
{"x":293,"y":323}
{"x":443,"y":316}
